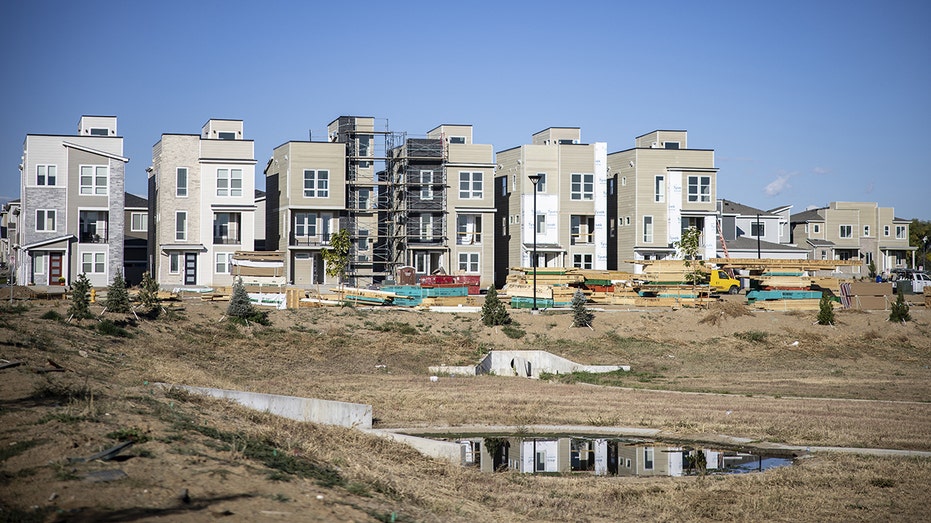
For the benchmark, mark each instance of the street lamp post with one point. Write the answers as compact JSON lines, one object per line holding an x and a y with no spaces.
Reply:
{"x":924,"y":252}
{"x":534,"y":178}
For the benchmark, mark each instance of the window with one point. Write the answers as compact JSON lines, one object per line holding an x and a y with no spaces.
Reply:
{"x":816,"y":228}
{"x":648,"y":458}
{"x":426,"y":188}
{"x":421,"y":262}
{"x":671,"y":145}
{"x":224,"y":262}
{"x":365,"y":143}
{"x":468,"y":229}
{"x":93,"y":226}
{"x":611,"y":186}
{"x":426,"y":227}
{"x":541,"y":183}
{"x":93,"y":179}
{"x":627,"y":220}
{"x":846,"y":231}
{"x":181,"y":186}
{"x":758,"y":229}
{"x":623,"y":181}
{"x":581,"y":229}
{"x":93,"y":262}
{"x":362,"y":243}
{"x":457,"y":139}
{"x":305,"y":224}
{"x":365,"y":195}
{"x":541,"y":224}
{"x":900,"y":232}
{"x":38,"y":263}
{"x":316,"y":183}
{"x":174,"y":263}
{"x":504,"y":186}
{"x":582,"y":261}
{"x":46,"y":174}
{"x":139,"y":222}
{"x":468,"y":262}
{"x":180,"y":225}
{"x":97,"y":131}
{"x":866,"y":230}
{"x":885,"y":230}
{"x":647,"y":229}
{"x":226,"y":135}
{"x":470,"y":185}
{"x":659,"y":191}
{"x":45,"y":220}
{"x":226,"y":228}
{"x":699,"y":188}
{"x":582,"y":186}
{"x":229,"y":182}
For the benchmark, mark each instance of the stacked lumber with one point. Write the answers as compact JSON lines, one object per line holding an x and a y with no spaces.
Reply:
{"x":807,"y":304}
{"x":259,"y":267}
{"x":867,"y":295}
{"x":661,"y":272}
{"x":785,"y":278}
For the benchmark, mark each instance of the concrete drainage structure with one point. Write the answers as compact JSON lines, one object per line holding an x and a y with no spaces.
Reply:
{"x":524,"y":363}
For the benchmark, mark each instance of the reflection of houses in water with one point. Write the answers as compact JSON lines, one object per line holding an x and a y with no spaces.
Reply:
{"x":601,"y":456}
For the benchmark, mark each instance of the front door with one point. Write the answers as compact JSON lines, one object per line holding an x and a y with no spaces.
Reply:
{"x":190,"y":268}
{"x":54,"y":268}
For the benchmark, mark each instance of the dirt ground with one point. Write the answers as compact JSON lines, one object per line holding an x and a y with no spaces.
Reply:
{"x":79,"y":390}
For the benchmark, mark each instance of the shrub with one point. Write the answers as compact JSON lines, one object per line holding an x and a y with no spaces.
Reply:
{"x":117,"y":295}
{"x":825,"y":310}
{"x":80,"y":298}
{"x":899,"y":310}
{"x":148,"y":291}
{"x":493,"y":310}
{"x":581,"y":316}
{"x":513,"y":331}
{"x":241,"y":309}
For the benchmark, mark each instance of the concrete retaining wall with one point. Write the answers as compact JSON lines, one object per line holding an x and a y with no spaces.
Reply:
{"x":531,"y":363}
{"x":445,"y":450}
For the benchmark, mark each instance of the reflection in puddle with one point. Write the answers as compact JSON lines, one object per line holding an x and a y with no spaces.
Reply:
{"x":603,"y":456}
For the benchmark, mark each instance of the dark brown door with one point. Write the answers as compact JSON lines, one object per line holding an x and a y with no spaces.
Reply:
{"x":54,"y":268}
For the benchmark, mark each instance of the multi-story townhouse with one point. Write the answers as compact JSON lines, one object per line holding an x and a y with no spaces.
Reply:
{"x":135,"y":238}
{"x":9,"y":235}
{"x":851,"y":231}
{"x":201,"y":204}
{"x":72,"y":198}
{"x":749,"y":232}
{"x":657,"y":190}
{"x":563,"y":217}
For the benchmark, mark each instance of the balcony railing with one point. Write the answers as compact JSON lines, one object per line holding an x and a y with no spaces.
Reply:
{"x":226,"y":240}
{"x":92,"y":238}
{"x":308,"y":241}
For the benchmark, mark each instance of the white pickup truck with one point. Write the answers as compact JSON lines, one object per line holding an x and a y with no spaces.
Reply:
{"x":915,"y":281}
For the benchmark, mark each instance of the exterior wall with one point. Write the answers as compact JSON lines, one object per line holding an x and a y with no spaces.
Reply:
{"x":169,"y":154}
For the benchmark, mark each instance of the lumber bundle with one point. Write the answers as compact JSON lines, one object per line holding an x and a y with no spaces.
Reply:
{"x":866,"y":295}
{"x":808,"y":304}
{"x":785,"y":278}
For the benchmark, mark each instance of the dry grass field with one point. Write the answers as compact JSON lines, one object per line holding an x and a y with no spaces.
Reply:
{"x":696,"y":374}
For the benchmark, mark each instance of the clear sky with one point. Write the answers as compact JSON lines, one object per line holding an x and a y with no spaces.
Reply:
{"x":804,"y":102}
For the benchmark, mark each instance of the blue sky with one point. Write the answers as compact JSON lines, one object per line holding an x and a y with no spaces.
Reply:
{"x":804,"y":102}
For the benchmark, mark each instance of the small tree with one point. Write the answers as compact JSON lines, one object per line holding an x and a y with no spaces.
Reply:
{"x":148,"y":292}
{"x":871,"y":267}
{"x":689,"y":247}
{"x":117,"y":295}
{"x":825,"y":310}
{"x":337,"y":256}
{"x":493,"y":310}
{"x":80,"y":298}
{"x":581,"y":316}
{"x":899,"y":310}
{"x":240,"y":306}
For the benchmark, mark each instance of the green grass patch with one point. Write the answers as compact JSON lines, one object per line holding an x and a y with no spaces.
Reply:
{"x":513,"y":331}
{"x":109,"y":328}
{"x":752,"y":336}
{"x":617,"y":378}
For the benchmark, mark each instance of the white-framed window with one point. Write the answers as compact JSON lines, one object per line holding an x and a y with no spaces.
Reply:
{"x":181,"y":182}
{"x":316,"y":183}
{"x":139,"y":221}
{"x":93,"y":179}
{"x":885,"y":230}
{"x":582,"y":261}
{"x":226,"y":228}
{"x":757,"y":229}
{"x":421,"y":262}
{"x":866,"y":230}
{"x":181,"y":225}
{"x":426,"y":227}
{"x":426,"y":187}
{"x":305,"y":224}
{"x":229,"y":182}
{"x":659,"y":189}
{"x":627,"y":220}
{"x":468,"y":229}
{"x":224,"y":262}
{"x":470,"y":185}
{"x":699,"y":188}
{"x":846,"y":231}
{"x":174,"y":263}
{"x":901,"y":232}
{"x":93,"y":262}
{"x":648,"y":458}
{"x":582,"y":186}
{"x":46,"y":175}
{"x":38,"y":263}
{"x":468,"y":262}
{"x":581,"y":229}
{"x":541,"y":183}
{"x":45,"y":220}
{"x":647,"y":229}
{"x":362,"y":242}
{"x":540,"y":224}
{"x":623,"y":181}
{"x":816,"y":228}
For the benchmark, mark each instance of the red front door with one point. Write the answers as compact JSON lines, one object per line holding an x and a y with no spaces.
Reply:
{"x":54,"y":268}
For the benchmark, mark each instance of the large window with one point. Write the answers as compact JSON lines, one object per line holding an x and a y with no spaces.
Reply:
{"x":846,"y":231}
{"x":139,"y":222}
{"x":426,"y":187}
{"x":659,"y":189}
{"x":541,"y":183}
{"x":94,"y":179}
{"x":468,"y":229}
{"x":426,"y":227}
{"x":224,"y":262}
{"x":581,"y":229}
{"x":468,"y":262}
{"x":316,"y":183}
{"x":226,"y":228}
{"x":45,"y":220}
{"x":582,"y":261}
{"x":582,"y":186}
{"x":647,"y":229}
{"x":181,"y":182}
{"x":305,"y":224}
{"x":46,"y":174}
{"x":470,"y":185}
{"x":648,"y":458}
{"x":901,"y":232}
{"x":229,"y":182}
{"x":93,"y":226}
{"x":180,"y":225}
{"x":541,"y":224}
{"x":757,"y":229}
{"x":93,"y":262}
{"x":699,"y":188}
{"x":174,"y":263}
